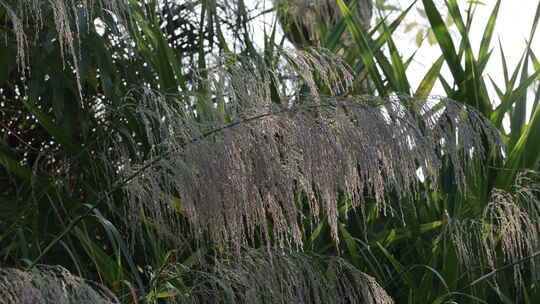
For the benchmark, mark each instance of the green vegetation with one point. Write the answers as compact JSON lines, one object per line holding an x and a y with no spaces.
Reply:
{"x":158,"y":156}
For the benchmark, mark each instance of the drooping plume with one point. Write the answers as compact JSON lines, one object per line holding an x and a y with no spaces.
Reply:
{"x":266,"y":161}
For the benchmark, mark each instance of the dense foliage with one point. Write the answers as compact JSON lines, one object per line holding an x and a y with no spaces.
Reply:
{"x":157,"y":155}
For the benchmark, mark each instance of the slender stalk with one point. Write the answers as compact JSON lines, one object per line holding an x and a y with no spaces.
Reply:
{"x":495,"y":271}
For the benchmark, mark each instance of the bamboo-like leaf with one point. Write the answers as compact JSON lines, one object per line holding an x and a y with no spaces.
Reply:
{"x":536,"y":20}
{"x":473,"y":82}
{"x":379,"y":42}
{"x":535,"y":61}
{"x":497,"y":89}
{"x":519,"y":113}
{"x":12,"y":166}
{"x":349,"y":241}
{"x":525,"y":154}
{"x":510,"y":98}
{"x":427,"y":83}
{"x":506,"y":100}
{"x":70,"y":144}
{"x":118,"y":243}
{"x":366,"y":51}
{"x":103,"y":262}
{"x":518,"y":119}
{"x":445,"y":41}
{"x":504,"y":64}
{"x":488,"y":33}
{"x":333,"y":37}
{"x":402,"y":83}
{"x":400,"y":269}
{"x":150,"y":39}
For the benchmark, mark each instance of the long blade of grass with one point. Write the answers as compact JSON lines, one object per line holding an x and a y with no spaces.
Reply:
{"x":497,"y":89}
{"x":117,"y":241}
{"x":409,"y":60}
{"x":482,"y":62}
{"x":12,"y":166}
{"x":379,"y":42}
{"x":156,"y":48}
{"x":70,"y":144}
{"x":400,"y":76}
{"x":488,"y":32}
{"x":504,"y":63}
{"x":388,"y":69}
{"x":526,"y":152}
{"x":536,"y":64}
{"x":445,"y":41}
{"x":474,"y":84}
{"x":515,"y":75}
{"x":366,"y":51}
{"x":511,"y":97}
{"x":399,"y":268}
{"x":447,"y":88}
{"x":519,"y":113}
{"x":535,"y":22}
{"x":352,"y":247}
{"x":334,"y":35}
{"x":427,"y":83}
{"x":105,"y":264}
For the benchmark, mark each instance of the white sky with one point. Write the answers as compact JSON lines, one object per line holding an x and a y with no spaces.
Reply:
{"x":513,"y":27}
